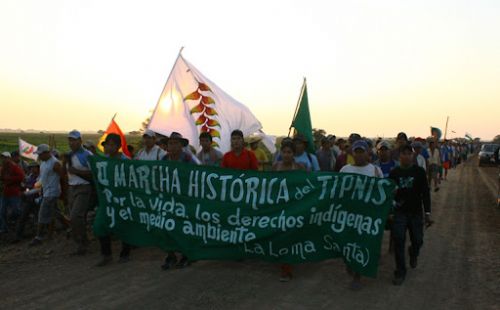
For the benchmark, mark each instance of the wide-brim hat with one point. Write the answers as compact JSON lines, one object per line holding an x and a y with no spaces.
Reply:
{"x":149,"y":133}
{"x":42,"y":148}
{"x":112,"y":137}
{"x":253,"y":139}
{"x":384,"y":143}
{"x":179,"y":137}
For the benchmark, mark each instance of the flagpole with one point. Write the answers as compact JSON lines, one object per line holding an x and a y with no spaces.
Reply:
{"x":446,"y":128}
{"x":114,"y":116}
{"x":297,"y":106}
{"x":168,"y":78}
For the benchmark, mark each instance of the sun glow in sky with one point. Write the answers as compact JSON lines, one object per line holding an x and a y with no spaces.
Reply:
{"x":373,"y":67}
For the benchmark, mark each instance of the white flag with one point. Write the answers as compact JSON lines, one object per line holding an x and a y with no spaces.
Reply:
{"x":190,"y":104}
{"x":27,"y":150}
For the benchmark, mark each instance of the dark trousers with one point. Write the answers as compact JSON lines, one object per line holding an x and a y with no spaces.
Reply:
{"x":28,"y":206}
{"x":78,"y":204}
{"x":414,"y":224}
{"x":106,"y":247}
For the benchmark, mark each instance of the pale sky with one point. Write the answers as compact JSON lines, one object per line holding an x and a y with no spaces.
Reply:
{"x":373,"y":67}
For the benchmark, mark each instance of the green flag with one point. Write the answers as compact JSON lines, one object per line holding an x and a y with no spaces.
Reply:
{"x":436,"y":133}
{"x":302,"y":119}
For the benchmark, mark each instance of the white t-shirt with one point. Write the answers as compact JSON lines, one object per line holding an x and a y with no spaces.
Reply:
{"x":368,"y":170}
{"x":73,"y":179}
{"x":156,"y":153}
{"x":434,"y":157}
{"x":49,"y":178}
{"x":421,"y":161}
{"x":210,"y":158}
{"x":336,"y":151}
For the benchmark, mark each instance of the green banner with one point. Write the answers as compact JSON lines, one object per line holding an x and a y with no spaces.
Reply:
{"x":215,"y":213}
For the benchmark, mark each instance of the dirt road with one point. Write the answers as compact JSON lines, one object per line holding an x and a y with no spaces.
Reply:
{"x":459,"y":268}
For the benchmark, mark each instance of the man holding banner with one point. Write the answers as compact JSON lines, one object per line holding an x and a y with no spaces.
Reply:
{"x":208,"y":155}
{"x":175,"y":147}
{"x":309,"y":160}
{"x":151,"y":151}
{"x":112,"y":145}
{"x":363,"y":167}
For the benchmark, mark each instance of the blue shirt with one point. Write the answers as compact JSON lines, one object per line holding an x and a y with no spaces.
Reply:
{"x":424,"y":153}
{"x":386,"y":167}
{"x":308,"y":160}
{"x":445,"y":153}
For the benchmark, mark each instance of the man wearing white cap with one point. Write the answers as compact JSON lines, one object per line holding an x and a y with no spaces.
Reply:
{"x":150,"y":151}
{"x":79,"y":189}
{"x":361,"y":166}
{"x":50,"y":180}
{"x":418,"y":158}
{"x":384,"y":161}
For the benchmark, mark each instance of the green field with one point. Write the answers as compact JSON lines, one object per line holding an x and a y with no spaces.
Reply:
{"x":9,"y":140}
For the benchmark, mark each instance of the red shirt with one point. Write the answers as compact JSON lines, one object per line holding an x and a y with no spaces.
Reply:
{"x":246,"y":160}
{"x":12,"y":176}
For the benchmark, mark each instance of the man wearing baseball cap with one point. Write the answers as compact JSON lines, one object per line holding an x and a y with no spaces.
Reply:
{"x":150,"y":151}
{"x":361,"y":166}
{"x":346,"y":157}
{"x":418,"y":158}
{"x":50,"y":180}
{"x":79,"y":189}
{"x":384,"y":161}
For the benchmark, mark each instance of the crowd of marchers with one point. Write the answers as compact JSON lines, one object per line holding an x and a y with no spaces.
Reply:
{"x":57,"y":191}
